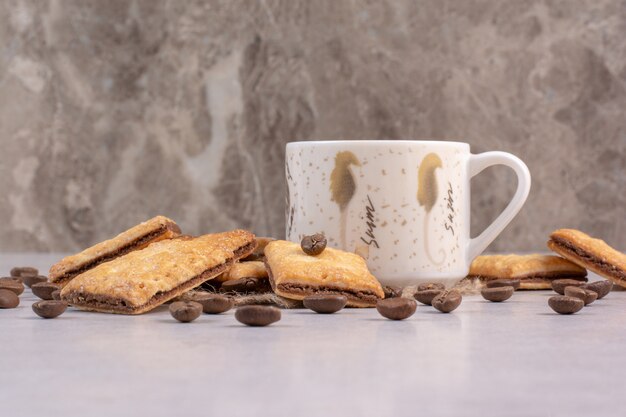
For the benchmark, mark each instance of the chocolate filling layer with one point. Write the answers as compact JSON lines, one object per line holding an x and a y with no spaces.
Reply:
{"x":123,"y":250}
{"x":305,"y":290}
{"x":591,"y":259}
{"x":546,"y":279}
{"x":118,"y":305}
{"x":309,"y":289}
{"x":543,"y":277}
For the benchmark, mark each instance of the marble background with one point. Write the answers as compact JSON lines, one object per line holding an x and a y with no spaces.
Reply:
{"x":114,"y":111}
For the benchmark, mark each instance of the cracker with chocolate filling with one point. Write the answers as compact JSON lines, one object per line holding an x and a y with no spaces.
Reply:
{"x":144,"y":279}
{"x":137,"y":237}
{"x":243,"y":278}
{"x":294,"y":274}
{"x":535,"y":272}
{"x":593,"y":254}
{"x":252,"y":269}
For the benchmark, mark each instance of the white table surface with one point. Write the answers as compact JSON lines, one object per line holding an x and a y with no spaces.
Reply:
{"x":516,"y":358}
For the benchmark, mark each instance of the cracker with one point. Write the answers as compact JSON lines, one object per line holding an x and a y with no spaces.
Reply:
{"x":588,"y":252}
{"x":253,"y":269}
{"x":535,"y":272}
{"x":144,"y":279}
{"x":294,"y":274}
{"x":259,"y":252}
{"x":137,"y":237}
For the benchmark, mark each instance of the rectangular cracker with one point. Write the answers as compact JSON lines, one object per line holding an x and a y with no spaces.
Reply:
{"x":294,"y":274}
{"x":593,"y":254}
{"x":535,"y":272}
{"x":251,"y":269}
{"x":137,"y":237}
{"x":144,"y":279}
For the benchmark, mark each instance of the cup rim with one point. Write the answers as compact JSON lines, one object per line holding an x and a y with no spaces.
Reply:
{"x":378,"y":142}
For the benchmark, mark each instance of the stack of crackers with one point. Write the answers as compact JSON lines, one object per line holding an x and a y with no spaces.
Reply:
{"x":153,"y":263}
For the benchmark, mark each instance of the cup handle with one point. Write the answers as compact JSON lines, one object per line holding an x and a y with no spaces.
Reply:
{"x":477,"y":163}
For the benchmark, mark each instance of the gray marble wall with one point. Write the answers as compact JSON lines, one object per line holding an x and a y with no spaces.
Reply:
{"x":113,"y":111}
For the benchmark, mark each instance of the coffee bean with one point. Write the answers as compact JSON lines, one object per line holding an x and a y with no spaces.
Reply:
{"x":49,"y":309}
{"x":8,"y":299}
{"x":44,"y":290}
{"x":602,"y":288}
{"x":185,"y":311}
{"x":559,"y":285}
{"x":214,"y":303}
{"x":391,"y":291}
{"x":314,"y":244}
{"x":427,"y":296}
{"x":563,"y":304}
{"x":447,"y":301}
{"x":515,"y":283}
{"x":24,"y":271}
{"x":430,"y":286}
{"x":325,"y":303}
{"x":246,"y":285}
{"x":396,"y":308}
{"x":256,"y":315}
{"x":30,"y":280}
{"x":56,"y":295}
{"x":584,"y":294}
{"x":497,"y":294}
{"x":13,"y":284}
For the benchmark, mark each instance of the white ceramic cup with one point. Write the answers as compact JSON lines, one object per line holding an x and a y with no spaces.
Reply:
{"x":403,"y":205}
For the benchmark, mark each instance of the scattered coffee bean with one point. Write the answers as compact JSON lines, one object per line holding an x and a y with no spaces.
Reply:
{"x":30,"y":280}
{"x":602,"y":288}
{"x":427,"y":296}
{"x":325,"y":303}
{"x":559,"y":285}
{"x":56,"y":295}
{"x":8,"y":299}
{"x":44,"y":290}
{"x":24,"y":271}
{"x":49,"y":309}
{"x":584,"y":294}
{"x":214,"y":303}
{"x":12,"y":283}
{"x":563,"y":304}
{"x":391,"y":291}
{"x":430,"y":286}
{"x":447,"y":301}
{"x":185,"y":311}
{"x":256,"y":315}
{"x":314,"y":244}
{"x":497,"y":294}
{"x":515,"y":283}
{"x":246,"y":285}
{"x":396,"y":308}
